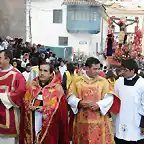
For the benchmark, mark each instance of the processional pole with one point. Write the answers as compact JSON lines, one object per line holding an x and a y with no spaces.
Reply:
{"x":29,"y":19}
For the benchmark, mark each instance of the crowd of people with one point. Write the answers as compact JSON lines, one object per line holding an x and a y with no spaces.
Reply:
{"x":44,"y":99}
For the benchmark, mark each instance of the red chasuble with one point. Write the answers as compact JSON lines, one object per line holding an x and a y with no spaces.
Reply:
{"x":12,"y":86}
{"x":54,"y":114}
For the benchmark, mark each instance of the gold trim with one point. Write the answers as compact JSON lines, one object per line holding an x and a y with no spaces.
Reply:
{"x":7,"y":125}
{"x":110,"y":129}
{"x":90,"y":121}
{"x":16,"y":120}
{"x":9,"y":135}
{"x":31,"y":130}
{"x":12,"y":89}
{"x":103,"y":130}
{"x":51,"y":119}
{"x":5,"y":87}
{"x":7,"y":75}
{"x":11,"y":101}
{"x":90,"y":81}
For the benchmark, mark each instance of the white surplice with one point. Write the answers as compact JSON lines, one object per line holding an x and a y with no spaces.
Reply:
{"x":128,"y":120}
{"x":38,"y":117}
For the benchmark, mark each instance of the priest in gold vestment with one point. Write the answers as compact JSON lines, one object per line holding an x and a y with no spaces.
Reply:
{"x":91,"y":101}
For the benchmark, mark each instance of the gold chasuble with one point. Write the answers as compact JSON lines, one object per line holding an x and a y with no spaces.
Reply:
{"x":91,"y":127}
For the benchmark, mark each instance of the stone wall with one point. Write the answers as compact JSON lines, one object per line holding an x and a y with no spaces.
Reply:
{"x":13,"y":18}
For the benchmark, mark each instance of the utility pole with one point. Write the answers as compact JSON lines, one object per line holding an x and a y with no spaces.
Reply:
{"x":101,"y":35}
{"x":29,"y":20}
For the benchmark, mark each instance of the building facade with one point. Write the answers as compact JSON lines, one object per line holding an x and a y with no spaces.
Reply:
{"x":13,"y":18}
{"x":58,"y":24}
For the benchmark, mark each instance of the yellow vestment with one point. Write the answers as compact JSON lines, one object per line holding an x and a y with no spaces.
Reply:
{"x":91,"y":127}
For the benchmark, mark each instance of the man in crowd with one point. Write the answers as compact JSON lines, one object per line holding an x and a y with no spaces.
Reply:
{"x":90,"y":103}
{"x":12,"y":90}
{"x":46,"y":113}
{"x":68,"y":77}
{"x":34,"y":69}
{"x":26,"y":73}
{"x":130,"y":89}
{"x":62,"y":67}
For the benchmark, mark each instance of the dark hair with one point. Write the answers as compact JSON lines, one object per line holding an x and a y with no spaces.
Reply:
{"x":28,"y":64}
{"x":76,"y":64}
{"x":101,"y":65}
{"x":56,"y":66}
{"x":62,"y":61}
{"x":110,"y":75}
{"x":46,"y":63}
{"x":104,"y":71}
{"x":1,"y":40}
{"x":90,"y":61}
{"x":7,"y":54}
{"x":141,"y":74}
{"x":54,"y":55}
{"x":34,"y":61}
{"x":105,"y":67}
{"x":130,"y":64}
{"x":39,"y":45}
{"x":71,"y":68}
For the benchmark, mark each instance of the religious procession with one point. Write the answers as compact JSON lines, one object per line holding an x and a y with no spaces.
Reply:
{"x":75,"y":78}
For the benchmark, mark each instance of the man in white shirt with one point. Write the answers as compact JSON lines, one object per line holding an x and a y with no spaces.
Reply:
{"x":62,"y":68}
{"x":130,"y":89}
{"x":27,"y":72}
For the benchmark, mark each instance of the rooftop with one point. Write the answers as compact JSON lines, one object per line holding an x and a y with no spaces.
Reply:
{"x":82,"y":2}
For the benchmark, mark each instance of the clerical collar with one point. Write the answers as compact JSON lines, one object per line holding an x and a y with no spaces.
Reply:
{"x":131,"y":81}
{"x":44,"y":84}
{"x":130,"y":78}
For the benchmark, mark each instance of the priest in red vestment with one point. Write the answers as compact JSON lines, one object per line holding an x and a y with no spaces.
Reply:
{"x":46,"y":112}
{"x":12,"y":90}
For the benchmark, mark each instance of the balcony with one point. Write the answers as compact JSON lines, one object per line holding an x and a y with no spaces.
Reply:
{"x":84,"y":19}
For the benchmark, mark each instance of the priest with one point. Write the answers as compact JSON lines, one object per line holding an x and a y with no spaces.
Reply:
{"x":12,"y":90}
{"x":91,"y":101}
{"x":130,"y":89}
{"x":46,"y":112}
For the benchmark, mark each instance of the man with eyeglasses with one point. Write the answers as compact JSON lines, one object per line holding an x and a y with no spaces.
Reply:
{"x":130,"y":89}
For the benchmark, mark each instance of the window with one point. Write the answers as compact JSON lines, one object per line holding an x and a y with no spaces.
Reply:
{"x":85,"y":14}
{"x":63,"y":41}
{"x":57,"y":16}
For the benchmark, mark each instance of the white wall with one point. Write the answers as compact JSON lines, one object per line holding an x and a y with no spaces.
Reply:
{"x":47,"y":33}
